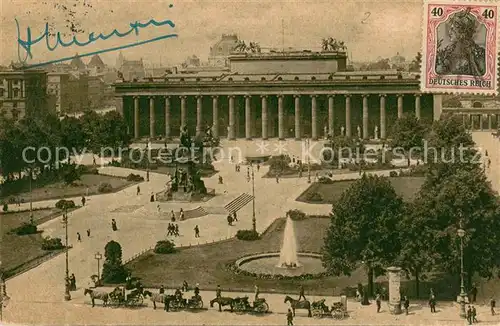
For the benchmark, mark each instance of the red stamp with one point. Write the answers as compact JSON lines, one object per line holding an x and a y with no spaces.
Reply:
{"x":460,"y":47}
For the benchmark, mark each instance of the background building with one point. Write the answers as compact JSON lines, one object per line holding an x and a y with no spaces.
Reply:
{"x":220,"y":51}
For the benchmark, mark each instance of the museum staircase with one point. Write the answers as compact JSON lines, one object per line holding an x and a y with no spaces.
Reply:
{"x":238,"y":202}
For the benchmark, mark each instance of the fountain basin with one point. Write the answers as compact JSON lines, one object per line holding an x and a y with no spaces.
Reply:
{"x":268,"y":264}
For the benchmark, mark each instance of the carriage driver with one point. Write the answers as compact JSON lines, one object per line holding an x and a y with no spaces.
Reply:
{"x":256,"y":293}
{"x":197,"y":290}
{"x":178,"y":294}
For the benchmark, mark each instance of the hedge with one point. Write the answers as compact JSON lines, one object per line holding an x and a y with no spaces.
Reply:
{"x":25,"y":228}
{"x":164,"y":247}
{"x":247,"y":235}
{"x":135,"y":177}
{"x":49,"y":243}
{"x":65,"y":204}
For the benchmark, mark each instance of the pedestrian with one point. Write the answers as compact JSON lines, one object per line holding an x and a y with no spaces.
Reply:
{"x":83,"y":200}
{"x":468,"y":315}
{"x":474,"y":314}
{"x":78,"y":236}
{"x":172,"y":214}
{"x":113,"y":225}
{"x":72,"y":279}
{"x":218,"y":292}
{"x":93,"y":160}
{"x":248,"y":172}
{"x":87,"y":192}
{"x":162,"y":290}
{"x":406,"y":304}
{"x":88,"y":233}
{"x":197,"y":289}
{"x":185,"y":286}
{"x":229,"y":219}
{"x":181,"y":214}
{"x":158,"y":208}
{"x":432,"y":303}
{"x":152,"y":198}
{"x":257,"y":292}
{"x":138,"y":190}
{"x":493,"y":303}
{"x":277,"y":178}
{"x":196,"y":232}
{"x":220,"y":180}
{"x":258,"y":167}
{"x":147,"y":175}
{"x":473,"y":293}
{"x":176,"y":230}
{"x":379,"y":302}
{"x":169,"y":229}
{"x":301,"y":293}
{"x":234,"y":216}
{"x":289,"y":317}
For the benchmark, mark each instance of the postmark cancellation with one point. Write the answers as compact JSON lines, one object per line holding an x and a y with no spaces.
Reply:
{"x":460,"y":46}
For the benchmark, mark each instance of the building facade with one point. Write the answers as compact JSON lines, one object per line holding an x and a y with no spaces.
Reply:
{"x":22,"y":92}
{"x":67,"y":92}
{"x":279,"y":95}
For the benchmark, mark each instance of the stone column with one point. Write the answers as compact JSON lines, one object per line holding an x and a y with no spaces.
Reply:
{"x":470,"y":122}
{"x":348,"y":115}
{"x":281,"y":122}
{"x":215,"y":116}
{"x":297,"y":117}
{"x":199,"y":115}
{"x":382,"y":117}
{"x":417,"y":106}
{"x":118,"y":104}
{"x":365,"y":117}
{"x":231,"y":135}
{"x":314,"y":117}
{"x":183,"y":111}
{"x":489,"y":122}
{"x":394,"y":290}
{"x":400,"y":106}
{"x":248,"y":118}
{"x":264,"y":116}
{"x":167,"y":116}
{"x":464,"y":121}
{"x":437,"y":106}
{"x":331,"y":116}
{"x":136,"y":117}
{"x":152,"y":119}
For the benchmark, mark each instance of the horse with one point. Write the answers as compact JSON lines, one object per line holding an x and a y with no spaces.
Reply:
{"x":297,"y":304}
{"x":223,"y":301}
{"x":94,"y":294}
{"x":159,"y":297}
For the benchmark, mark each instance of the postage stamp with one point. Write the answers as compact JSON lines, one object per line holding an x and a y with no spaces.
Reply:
{"x":460,"y":46}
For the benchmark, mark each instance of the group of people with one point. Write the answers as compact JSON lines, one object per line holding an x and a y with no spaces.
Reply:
{"x":72,"y":282}
{"x":173,"y":229}
{"x":232,"y":218}
{"x":79,"y":236}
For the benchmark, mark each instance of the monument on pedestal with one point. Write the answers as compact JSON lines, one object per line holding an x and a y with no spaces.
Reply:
{"x":394,"y":290}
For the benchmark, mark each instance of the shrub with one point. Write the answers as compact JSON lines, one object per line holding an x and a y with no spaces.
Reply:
{"x":419,"y":170}
{"x":114,"y":163}
{"x":70,"y":174}
{"x":5,"y":207}
{"x":25,"y":228}
{"x":297,"y":215}
{"x":393,"y":174}
{"x":84,"y":169}
{"x":135,"y":177}
{"x":105,"y":188}
{"x":279,"y":163}
{"x":314,"y":196}
{"x":164,"y":247}
{"x":65,"y":204}
{"x":247,"y":235}
{"x":49,"y":243}
{"x":114,"y":273}
{"x":325,"y":180}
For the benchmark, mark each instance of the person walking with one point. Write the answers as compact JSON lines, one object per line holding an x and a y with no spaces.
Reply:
{"x":172,"y":214}
{"x":493,"y":303}
{"x":181,"y":214}
{"x":83,"y":200}
{"x":177,"y":230}
{"x":277,"y":178}
{"x":79,"y":237}
{"x":152,"y":198}
{"x":432,"y":303}
{"x":196,"y":232}
{"x":234,"y":216}
{"x":113,"y":225}
{"x":473,"y":293}
{"x":379,"y":302}
{"x":468,"y":315}
{"x":72,"y":280}
{"x":258,"y":167}
{"x":138,"y":190}
{"x":229,"y":219}
{"x":474,"y":314}
{"x":289,"y":317}
{"x":147,"y":175}
{"x":301,"y":293}
{"x":88,"y":233}
{"x":406,"y":304}
{"x":158,"y":209}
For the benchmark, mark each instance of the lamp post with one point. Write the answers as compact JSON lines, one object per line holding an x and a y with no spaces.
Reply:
{"x":308,"y":162}
{"x":98,"y":257}
{"x":146,"y":150}
{"x":254,"y":221}
{"x":67,"y":295}
{"x":463,"y":295}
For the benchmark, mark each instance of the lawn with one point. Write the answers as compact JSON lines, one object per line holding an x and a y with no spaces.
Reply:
{"x":206,"y":265}
{"x":407,"y":187}
{"x":19,"y":250}
{"x":79,"y":188}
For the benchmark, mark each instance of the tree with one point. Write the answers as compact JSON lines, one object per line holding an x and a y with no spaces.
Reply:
{"x":113,"y":270}
{"x":416,"y":64}
{"x":72,"y":134}
{"x":342,"y":147}
{"x":362,"y":228}
{"x":408,"y":133}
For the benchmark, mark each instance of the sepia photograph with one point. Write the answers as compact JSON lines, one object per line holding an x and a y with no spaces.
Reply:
{"x":249,"y":162}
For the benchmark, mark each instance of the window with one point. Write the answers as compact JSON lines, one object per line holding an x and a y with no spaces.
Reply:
{"x":16,"y":92}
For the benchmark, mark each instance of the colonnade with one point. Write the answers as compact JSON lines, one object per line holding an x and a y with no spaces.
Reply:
{"x":492,"y":119}
{"x":315,"y":134}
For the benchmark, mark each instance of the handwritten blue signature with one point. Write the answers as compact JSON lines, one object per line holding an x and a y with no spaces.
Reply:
{"x":134,"y":27}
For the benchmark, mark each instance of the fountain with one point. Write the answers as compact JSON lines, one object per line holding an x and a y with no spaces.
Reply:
{"x":285,"y":262}
{"x":288,"y":254}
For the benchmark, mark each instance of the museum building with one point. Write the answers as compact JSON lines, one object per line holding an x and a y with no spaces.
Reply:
{"x":275,"y":95}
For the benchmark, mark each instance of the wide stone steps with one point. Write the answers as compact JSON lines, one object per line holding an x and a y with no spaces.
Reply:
{"x":238,"y":203}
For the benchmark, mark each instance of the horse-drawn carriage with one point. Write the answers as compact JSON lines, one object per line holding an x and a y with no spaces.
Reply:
{"x":242,"y":305}
{"x":320,"y":309}
{"x":122,"y":297}
{"x":180,"y":303}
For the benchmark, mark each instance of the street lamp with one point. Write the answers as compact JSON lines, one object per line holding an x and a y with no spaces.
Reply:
{"x":67,"y":295}
{"x":254,"y":221}
{"x":98,"y":257}
{"x":463,"y":295}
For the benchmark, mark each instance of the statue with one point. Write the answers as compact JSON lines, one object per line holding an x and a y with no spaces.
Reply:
{"x":376,"y":132}
{"x":359,"y":131}
{"x":331,"y":44}
{"x":120,"y":75}
{"x":324,"y":44}
{"x":185,"y":138}
{"x":342,"y":129}
{"x":325,"y":131}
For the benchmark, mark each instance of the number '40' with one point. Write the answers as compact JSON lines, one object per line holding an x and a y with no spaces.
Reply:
{"x":488,"y":14}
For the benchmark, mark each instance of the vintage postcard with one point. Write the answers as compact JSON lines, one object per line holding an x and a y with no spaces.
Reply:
{"x":235,"y":162}
{"x":460,"y":47}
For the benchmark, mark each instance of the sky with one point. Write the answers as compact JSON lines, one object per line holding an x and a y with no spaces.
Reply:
{"x":370,"y":28}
